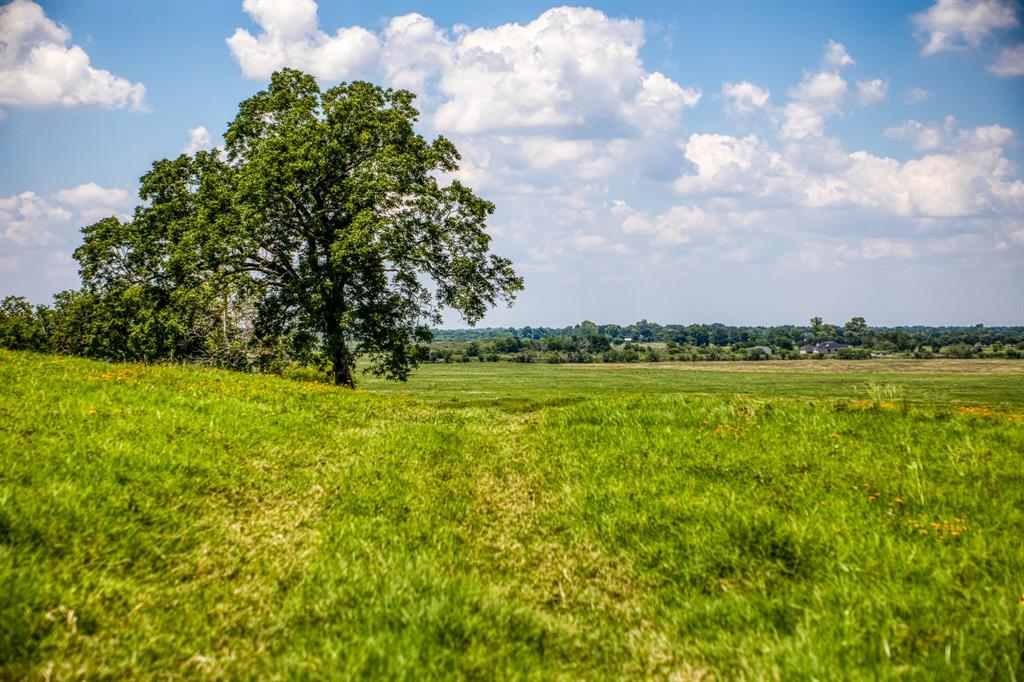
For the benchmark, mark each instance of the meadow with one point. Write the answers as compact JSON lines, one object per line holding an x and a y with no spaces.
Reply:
{"x":808,"y":520}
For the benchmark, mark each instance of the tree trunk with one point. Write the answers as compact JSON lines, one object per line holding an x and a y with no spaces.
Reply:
{"x":342,"y":367}
{"x":340,"y":357}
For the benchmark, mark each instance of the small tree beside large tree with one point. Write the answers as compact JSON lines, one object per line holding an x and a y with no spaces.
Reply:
{"x":326,"y":211}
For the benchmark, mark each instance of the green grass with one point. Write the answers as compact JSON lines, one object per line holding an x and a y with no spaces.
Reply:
{"x":501,"y":521}
{"x":994,"y":383}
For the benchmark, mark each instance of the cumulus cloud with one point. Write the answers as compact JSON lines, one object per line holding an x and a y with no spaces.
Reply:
{"x":678,"y":225}
{"x":415,"y":50}
{"x":27,"y":219}
{"x":744,"y":97}
{"x":836,"y":55}
{"x":872,"y":91}
{"x":727,"y":164}
{"x":569,"y":67}
{"x":198,"y":138}
{"x":821,"y":95}
{"x":933,"y":135}
{"x":39,"y":69}
{"x":291,"y":36}
{"x":825,"y":87}
{"x":818,"y":96}
{"x":39,"y":232}
{"x":937,"y":185}
{"x":970,"y":176}
{"x":711,"y":232}
{"x":959,"y":24}
{"x":24,"y":218}
{"x":1009,"y":63}
{"x":92,"y":202}
{"x":923,"y":136}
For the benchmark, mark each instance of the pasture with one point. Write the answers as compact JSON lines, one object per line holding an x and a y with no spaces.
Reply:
{"x":806,"y":520}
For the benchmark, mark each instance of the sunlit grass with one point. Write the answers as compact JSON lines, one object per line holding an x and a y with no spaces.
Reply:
{"x":497,"y":521}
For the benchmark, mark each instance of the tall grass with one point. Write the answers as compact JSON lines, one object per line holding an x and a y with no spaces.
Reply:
{"x":180,"y":523}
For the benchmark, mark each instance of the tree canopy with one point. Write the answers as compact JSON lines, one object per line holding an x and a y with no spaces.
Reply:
{"x":324,"y":224}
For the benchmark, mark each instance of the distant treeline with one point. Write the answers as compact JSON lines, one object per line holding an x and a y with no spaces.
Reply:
{"x":856,"y":332}
{"x":651,"y":342}
{"x":216,"y":328}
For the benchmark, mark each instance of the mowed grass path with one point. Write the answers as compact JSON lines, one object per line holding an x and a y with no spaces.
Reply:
{"x":551,"y":523}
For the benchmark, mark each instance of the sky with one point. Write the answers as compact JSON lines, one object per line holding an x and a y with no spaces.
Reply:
{"x":735,"y":162}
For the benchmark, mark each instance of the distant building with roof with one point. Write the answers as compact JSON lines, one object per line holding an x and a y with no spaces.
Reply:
{"x":823,"y":348}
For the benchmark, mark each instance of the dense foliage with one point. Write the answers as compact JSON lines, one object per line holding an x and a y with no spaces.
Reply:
{"x":320,"y":233}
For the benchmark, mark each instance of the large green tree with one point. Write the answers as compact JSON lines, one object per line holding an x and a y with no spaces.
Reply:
{"x":329,"y":213}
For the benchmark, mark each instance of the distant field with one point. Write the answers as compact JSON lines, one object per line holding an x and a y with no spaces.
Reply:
{"x":948,"y":382}
{"x":812,"y":520}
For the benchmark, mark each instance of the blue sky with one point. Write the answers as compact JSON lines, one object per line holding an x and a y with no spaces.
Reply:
{"x":680,"y":162}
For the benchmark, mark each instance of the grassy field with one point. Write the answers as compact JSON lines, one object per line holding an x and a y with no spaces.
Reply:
{"x":729,"y":521}
{"x":993,"y":383}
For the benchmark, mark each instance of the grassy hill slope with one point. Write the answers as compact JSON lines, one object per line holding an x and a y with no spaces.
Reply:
{"x":181,"y":522}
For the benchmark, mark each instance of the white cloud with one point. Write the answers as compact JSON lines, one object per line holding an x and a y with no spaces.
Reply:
{"x":984,"y":137}
{"x":959,"y":24}
{"x":744,"y":97}
{"x":727,"y":164}
{"x":937,"y":185}
{"x":198,"y":138}
{"x":568,"y":68}
{"x":678,"y":225}
{"x":659,"y":102}
{"x":818,"y":96}
{"x":923,"y":136}
{"x":38,"y":69}
{"x":90,"y":202}
{"x":872,"y":91}
{"x":802,"y":120}
{"x":915,"y":95}
{"x":586,"y":242}
{"x":28,"y":219}
{"x":714,"y":232}
{"x":1009,"y":63}
{"x":415,"y":50}
{"x":24,"y":218}
{"x":836,"y":55}
{"x":933,"y":136}
{"x":825,"y":87}
{"x":38,"y":233}
{"x":290,"y":37}
{"x":970,"y":177}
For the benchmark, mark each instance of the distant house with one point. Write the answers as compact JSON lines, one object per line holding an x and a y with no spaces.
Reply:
{"x":628,"y":339}
{"x":764,"y":349}
{"x":823,"y":348}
